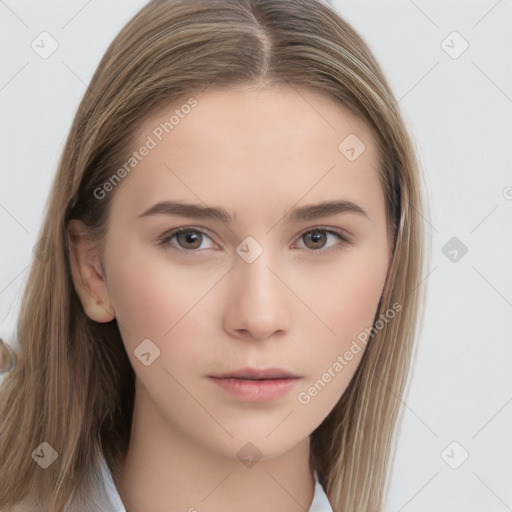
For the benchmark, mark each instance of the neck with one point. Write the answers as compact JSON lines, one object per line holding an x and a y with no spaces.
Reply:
{"x":165,"y":470}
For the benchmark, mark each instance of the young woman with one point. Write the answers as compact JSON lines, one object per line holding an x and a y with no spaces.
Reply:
{"x":225,"y":315}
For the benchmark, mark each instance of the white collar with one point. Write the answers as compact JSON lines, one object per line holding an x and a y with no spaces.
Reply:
{"x":320,"y":502}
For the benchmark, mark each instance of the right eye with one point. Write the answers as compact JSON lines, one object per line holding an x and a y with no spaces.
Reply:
{"x":187,"y":239}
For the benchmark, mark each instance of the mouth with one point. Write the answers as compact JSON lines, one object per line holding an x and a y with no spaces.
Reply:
{"x":257,"y":374}
{"x":254,"y":385}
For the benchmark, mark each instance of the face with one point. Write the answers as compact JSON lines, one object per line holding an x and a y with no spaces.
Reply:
{"x":271,"y":286}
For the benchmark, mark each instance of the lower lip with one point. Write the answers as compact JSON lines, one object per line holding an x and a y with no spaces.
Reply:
{"x":256,"y":390}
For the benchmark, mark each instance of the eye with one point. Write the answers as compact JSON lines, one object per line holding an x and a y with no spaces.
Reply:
{"x":190,"y":239}
{"x":317,"y":238}
{"x":187,"y":238}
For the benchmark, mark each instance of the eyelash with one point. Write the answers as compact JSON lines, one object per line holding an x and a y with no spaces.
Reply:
{"x":345,"y":239}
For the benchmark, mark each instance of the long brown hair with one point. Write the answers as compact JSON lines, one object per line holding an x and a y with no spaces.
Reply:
{"x":74,"y":385}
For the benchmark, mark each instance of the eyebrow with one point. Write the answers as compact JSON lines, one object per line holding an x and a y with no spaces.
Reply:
{"x":303,"y":213}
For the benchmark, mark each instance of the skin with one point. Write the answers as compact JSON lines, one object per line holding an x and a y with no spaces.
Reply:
{"x":257,"y":153}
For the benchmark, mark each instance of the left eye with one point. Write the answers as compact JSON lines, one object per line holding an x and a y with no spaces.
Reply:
{"x":191,"y":239}
{"x":318,"y":237}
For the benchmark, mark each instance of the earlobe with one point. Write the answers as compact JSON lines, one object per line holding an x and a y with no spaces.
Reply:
{"x":88,"y":280}
{"x":99,"y":312}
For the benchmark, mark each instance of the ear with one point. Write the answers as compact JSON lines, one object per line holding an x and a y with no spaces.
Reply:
{"x":88,"y":276}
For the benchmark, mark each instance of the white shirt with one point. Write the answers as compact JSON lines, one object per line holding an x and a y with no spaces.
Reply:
{"x":320,"y":502}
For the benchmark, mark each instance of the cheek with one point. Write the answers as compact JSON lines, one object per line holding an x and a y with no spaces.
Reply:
{"x":346,"y":303}
{"x":331,"y":366}
{"x":158,"y":302}
{"x":359,"y":294}
{"x":344,"y":296}
{"x":151,"y":296}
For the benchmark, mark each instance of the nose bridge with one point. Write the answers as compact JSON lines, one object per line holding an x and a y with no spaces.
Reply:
{"x":254,"y":276}
{"x":258,"y":301}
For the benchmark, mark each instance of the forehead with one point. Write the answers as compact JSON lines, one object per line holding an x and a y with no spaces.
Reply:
{"x":277,"y":115}
{"x":276,"y":143}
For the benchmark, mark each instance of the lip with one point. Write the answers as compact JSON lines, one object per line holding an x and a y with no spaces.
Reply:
{"x":256,"y":374}
{"x":256,"y":385}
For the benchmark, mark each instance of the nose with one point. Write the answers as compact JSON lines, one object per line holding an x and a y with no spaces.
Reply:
{"x":258,"y":303}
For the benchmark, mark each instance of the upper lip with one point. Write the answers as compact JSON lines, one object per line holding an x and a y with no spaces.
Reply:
{"x":256,"y":374}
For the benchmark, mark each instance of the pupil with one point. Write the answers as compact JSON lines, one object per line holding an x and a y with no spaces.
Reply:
{"x":190,"y":237}
{"x":316,"y":236}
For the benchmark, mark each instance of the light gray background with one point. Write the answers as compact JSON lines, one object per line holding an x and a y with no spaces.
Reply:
{"x":459,"y":108}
